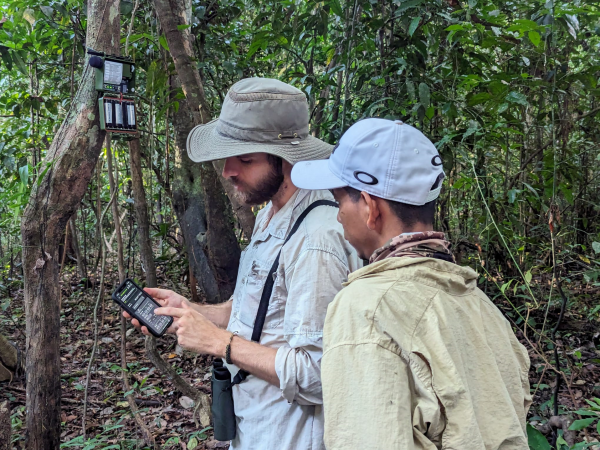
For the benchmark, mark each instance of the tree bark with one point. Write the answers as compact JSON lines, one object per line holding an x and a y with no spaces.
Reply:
{"x":75,"y":244}
{"x":188,"y":203}
{"x":171,"y":14}
{"x":141,"y":212}
{"x":5,"y":427}
{"x":73,"y":156}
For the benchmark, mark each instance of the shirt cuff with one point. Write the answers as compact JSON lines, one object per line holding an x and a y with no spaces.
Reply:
{"x":285,"y":367}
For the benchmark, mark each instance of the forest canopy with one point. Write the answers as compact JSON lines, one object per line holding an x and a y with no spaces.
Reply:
{"x":507,"y":90}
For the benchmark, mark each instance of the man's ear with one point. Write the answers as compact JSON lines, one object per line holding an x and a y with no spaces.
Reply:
{"x":373,"y":211}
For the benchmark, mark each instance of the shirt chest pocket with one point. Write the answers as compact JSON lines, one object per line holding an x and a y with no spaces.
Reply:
{"x":254,"y":284}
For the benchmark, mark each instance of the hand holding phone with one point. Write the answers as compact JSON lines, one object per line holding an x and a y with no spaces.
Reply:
{"x":140,"y":305}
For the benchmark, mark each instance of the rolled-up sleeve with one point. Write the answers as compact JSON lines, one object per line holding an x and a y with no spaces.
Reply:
{"x":312,"y":283}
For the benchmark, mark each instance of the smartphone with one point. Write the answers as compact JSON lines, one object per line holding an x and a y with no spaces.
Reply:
{"x":140,"y":305}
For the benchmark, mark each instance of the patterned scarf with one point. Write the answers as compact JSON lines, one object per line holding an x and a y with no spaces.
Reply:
{"x":428,"y":244}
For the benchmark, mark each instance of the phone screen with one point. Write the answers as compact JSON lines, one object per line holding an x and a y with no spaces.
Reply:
{"x":142,"y":306}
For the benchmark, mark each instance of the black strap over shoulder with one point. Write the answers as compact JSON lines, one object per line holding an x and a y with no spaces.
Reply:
{"x":263,"y":306}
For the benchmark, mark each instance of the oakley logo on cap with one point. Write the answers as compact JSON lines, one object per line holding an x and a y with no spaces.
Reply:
{"x":360,"y":176}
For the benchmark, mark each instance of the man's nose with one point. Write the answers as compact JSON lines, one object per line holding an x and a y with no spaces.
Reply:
{"x":230,"y":168}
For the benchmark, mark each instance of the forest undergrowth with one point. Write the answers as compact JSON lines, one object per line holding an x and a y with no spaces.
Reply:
{"x":169,"y":415}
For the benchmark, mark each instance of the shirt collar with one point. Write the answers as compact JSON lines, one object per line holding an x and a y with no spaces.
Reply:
{"x":281,"y":221}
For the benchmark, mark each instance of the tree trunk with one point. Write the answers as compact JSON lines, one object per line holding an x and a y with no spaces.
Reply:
{"x":53,"y":200}
{"x":188,"y":203}
{"x":75,"y":244}
{"x":141,"y":212}
{"x":220,"y":236}
{"x":5,"y":427}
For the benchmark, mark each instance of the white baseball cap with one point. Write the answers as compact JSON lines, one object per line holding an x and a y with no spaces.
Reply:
{"x":385,"y":158}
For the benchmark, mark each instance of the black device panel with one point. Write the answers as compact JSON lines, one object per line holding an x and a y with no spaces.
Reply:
{"x":140,"y":305}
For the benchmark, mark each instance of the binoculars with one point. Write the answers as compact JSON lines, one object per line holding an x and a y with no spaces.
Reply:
{"x":224,"y":423}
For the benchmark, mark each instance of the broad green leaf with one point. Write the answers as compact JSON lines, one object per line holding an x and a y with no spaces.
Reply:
{"x":517,"y":97}
{"x":413,"y":25}
{"x":192,"y":443}
{"x":528,"y":277}
{"x":20,"y":63}
{"x":163,"y":43}
{"x":8,"y":60}
{"x":24,"y":174}
{"x":596,"y":246}
{"x":523,"y":25}
{"x":48,"y":11}
{"x":536,"y":440}
{"x":512,"y":195}
{"x":424,"y":94}
{"x":581,"y":424}
{"x":476,"y":99}
{"x":534,"y":37}
{"x":336,"y":8}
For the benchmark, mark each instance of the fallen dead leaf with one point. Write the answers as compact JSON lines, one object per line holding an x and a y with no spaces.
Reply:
{"x":186,"y":402}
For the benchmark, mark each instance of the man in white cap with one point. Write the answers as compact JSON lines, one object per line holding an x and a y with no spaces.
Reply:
{"x":415,"y":355}
{"x":294,"y":265}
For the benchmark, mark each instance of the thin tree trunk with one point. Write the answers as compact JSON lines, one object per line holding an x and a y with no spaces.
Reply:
{"x":53,"y":200}
{"x":141,"y":212}
{"x":5,"y":427}
{"x":75,"y":244}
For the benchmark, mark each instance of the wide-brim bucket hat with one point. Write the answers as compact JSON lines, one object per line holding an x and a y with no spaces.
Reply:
{"x":259,"y":115}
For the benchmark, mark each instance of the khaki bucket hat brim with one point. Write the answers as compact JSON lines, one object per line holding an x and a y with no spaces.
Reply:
{"x":205,"y":143}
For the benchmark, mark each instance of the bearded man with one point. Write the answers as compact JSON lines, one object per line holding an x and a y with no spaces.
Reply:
{"x":261,"y":133}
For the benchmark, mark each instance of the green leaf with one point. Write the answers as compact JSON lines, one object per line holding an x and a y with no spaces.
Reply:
{"x":163,"y":42}
{"x":192,"y":443}
{"x":8,"y":60}
{"x":24,"y":174}
{"x":183,"y":27}
{"x":528,"y":277}
{"x":581,"y":424}
{"x":424,"y":94}
{"x":512,"y":195}
{"x":413,"y":25}
{"x":48,"y":11}
{"x":596,"y":246}
{"x":536,"y":440}
{"x":568,"y":193}
{"x":534,"y":37}
{"x":476,"y":99}
{"x":20,"y":63}
{"x":336,"y":8}
{"x":517,"y":97}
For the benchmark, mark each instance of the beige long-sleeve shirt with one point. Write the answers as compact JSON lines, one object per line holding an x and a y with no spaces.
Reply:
{"x":417,"y":357}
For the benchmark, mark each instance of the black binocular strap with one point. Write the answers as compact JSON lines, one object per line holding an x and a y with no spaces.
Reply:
{"x":263,"y":306}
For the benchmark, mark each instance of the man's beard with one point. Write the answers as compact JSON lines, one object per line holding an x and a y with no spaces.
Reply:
{"x":264,"y":190}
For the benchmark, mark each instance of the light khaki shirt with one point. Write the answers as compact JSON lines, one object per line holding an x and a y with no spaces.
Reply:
{"x":313,"y":265}
{"x":417,"y":357}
